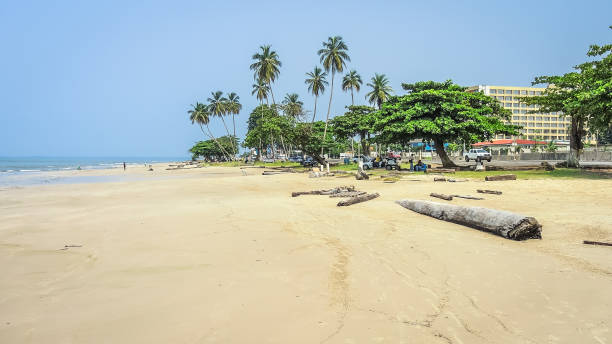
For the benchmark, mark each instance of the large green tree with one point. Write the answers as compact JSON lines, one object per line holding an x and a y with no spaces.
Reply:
{"x":441,"y":112}
{"x":200,"y":114}
{"x":358,"y":120}
{"x":266,"y":67}
{"x":292,"y":106}
{"x":333,"y":56}
{"x":352,"y":81}
{"x":316,"y":85}
{"x":584,"y":95}
{"x":213,"y":150}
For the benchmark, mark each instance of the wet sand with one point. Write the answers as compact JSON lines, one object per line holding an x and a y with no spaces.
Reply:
{"x":211,"y":256}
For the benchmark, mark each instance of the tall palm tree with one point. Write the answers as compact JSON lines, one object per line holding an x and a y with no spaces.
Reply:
{"x":293,"y":106}
{"x":381,"y":91}
{"x":233,"y":107}
{"x":200,"y":114}
{"x":266,"y":67}
{"x":218,"y":107}
{"x":352,"y":81}
{"x":260,"y":90}
{"x":333,"y":56}
{"x":316,"y":85}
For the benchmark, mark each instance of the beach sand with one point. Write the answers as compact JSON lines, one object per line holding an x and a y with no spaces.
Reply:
{"x":211,"y":256}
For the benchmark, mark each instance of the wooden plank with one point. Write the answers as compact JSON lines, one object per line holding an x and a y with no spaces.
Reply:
{"x":501,"y":177}
{"x":588,"y":242}
{"x":492,"y":192}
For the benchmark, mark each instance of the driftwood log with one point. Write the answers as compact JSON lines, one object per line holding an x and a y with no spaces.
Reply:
{"x":440,"y":170}
{"x":503,"y":223}
{"x":588,"y":242}
{"x":442,"y":196}
{"x":357,"y":199}
{"x":501,"y":177}
{"x":337,"y":190}
{"x":348,"y":194}
{"x":492,"y":192}
{"x":439,"y":179}
{"x":467,"y":197}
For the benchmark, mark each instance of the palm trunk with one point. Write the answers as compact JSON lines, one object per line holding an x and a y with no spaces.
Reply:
{"x":217,"y":142}
{"x":331,"y":94}
{"x":271,"y":93}
{"x":234,"y":123}
{"x":228,"y":134}
{"x":352,"y":99}
{"x":315,"y":109}
{"x":446,"y":161}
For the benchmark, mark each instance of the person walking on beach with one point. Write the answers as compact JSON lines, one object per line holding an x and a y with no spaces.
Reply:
{"x":124,"y":165}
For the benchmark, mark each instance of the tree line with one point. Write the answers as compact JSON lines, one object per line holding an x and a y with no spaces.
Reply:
{"x":436,"y":112}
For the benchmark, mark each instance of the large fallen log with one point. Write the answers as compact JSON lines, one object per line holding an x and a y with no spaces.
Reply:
{"x":439,"y":179}
{"x":467,"y":197}
{"x":440,"y":170}
{"x":493,"y":192}
{"x":337,"y":190}
{"x":442,"y":196}
{"x":357,"y":199}
{"x":501,"y":177}
{"x":500,"y":222}
{"x":348,"y":194}
{"x":588,"y":242}
{"x":362,"y":176}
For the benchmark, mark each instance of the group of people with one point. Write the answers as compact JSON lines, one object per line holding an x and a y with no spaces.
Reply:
{"x":420,"y":166}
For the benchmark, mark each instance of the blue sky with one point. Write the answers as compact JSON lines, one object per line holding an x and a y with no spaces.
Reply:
{"x":116,"y":78}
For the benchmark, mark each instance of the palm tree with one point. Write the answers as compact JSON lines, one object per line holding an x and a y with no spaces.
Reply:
{"x":381,"y":91}
{"x":200,"y":114}
{"x":352,"y":81}
{"x":233,"y":107}
{"x":260,"y":89}
{"x":266,"y":67}
{"x":218,"y":107}
{"x":316,"y":85}
{"x":293,"y":106}
{"x":334,"y":57}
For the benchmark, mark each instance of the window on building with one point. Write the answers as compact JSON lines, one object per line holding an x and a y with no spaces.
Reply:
{"x":546,"y":131}
{"x":508,"y":98}
{"x":538,"y":93}
{"x":493,"y":91}
{"x":523,"y":105}
{"x":531,"y":118}
{"x":523,"y":111}
{"x":500,"y":91}
{"x":515,"y":111}
{"x":538,"y":118}
{"x":554,"y":131}
{"x":515,"y":92}
{"x":524,"y":118}
{"x":515,"y":118}
{"x":516,"y":104}
{"x":546,"y":125}
{"x":523,"y":92}
{"x":531,"y":106}
{"x":538,"y":125}
{"x":531,"y":93}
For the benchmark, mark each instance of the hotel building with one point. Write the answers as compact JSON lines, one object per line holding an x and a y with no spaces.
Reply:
{"x":541,"y":126}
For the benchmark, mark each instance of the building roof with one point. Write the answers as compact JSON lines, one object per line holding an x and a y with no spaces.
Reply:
{"x":508,"y":142}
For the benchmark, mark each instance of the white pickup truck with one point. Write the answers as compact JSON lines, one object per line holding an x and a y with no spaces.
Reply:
{"x":478,"y":155}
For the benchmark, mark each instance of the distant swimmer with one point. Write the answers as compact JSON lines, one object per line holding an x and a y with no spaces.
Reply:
{"x":124,"y":165}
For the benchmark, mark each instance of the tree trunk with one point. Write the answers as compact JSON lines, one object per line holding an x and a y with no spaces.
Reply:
{"x":228,"y":134}
{"x":271,"y":93}
{"x":331,"y":93}
{"x":576,"y":133}
{"x":352,"y":99}
{"x":364,"y":144}
{"x":446,"y":161}
{"x":503,"y":223}
{"x":234,"y":122}
{"x":217,"y":142}
{"x":315,"y":110}
{"x":357,"y":199}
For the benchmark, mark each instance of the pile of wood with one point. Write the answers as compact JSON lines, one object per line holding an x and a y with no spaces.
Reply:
{"x":503,"y":223}
{"x":350,"y":195}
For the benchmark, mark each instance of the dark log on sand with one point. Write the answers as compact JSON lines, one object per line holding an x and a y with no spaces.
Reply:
{"x":442,"y":196}
{"x":588,"y":242}
{"x":349,"y":194}
{"x":468,"y":197}
{"x":324,"y":192}
{"x":501,"y":177}
{"x":357,"y":199}
{"x":440,"y":170}
{"x":500,"y":222}
{"x":439,"y":179}
{"x":493,"y":192}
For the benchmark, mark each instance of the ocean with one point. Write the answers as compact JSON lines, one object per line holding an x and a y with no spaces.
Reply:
{"x":22,"y":171}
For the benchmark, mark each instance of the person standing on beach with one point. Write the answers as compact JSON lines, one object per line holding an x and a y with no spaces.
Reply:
{"x":124,"y":165}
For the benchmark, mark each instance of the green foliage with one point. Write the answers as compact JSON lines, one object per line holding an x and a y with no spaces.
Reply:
{"x":551,"y":147}
{"x":439,"y":113}
{"x":264,"y":124}
{"x":209,"y":150}
{"x":292,"y":106}
{"x":334,"y":55}
{"x":267,"y":65}
{"x":357,"y":121}
{"x":381,"y":91}
{"x":352,"y":81}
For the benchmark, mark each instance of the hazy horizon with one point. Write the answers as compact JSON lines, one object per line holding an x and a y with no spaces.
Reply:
{"x":114,"y":79}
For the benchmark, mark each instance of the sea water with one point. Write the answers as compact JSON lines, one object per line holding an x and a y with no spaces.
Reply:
{"x":22,"y":171}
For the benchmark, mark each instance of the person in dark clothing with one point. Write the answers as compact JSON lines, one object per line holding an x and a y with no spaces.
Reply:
{"x":124,"y":165}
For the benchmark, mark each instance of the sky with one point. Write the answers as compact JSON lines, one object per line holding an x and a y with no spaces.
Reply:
{"x":116,"y":78}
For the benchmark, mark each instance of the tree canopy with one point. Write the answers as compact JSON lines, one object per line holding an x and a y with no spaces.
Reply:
{"x":441,"y":113}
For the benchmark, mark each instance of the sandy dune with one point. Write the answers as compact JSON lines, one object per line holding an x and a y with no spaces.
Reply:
{"x":211,"y":256}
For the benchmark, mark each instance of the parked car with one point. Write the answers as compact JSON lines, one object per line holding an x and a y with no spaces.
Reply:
{"x":368,"y":164}
{"x":478,"y":155}
{"x":309,"y":162}
{"x":296,"y":159}
{"x":392,"y":163}
{"x":394,"y":155}
{"x":365,"y":158}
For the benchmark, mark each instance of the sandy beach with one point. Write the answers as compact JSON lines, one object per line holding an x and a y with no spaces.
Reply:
{"x":211,"y":256}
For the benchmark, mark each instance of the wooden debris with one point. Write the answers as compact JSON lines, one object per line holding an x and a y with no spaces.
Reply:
{"x":493,"y":192}
{"x":442,"y":196}
{"x":357,"y":199}
{"x":440,"y":170}
{"x":324,"y":192}
{"x":467,"y":197}
{"x":348,"y":194}
{"x":501,"y":177}
{"x":439,"y":179}
{"x":588,"y":242}
{"x":503,"y":223}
